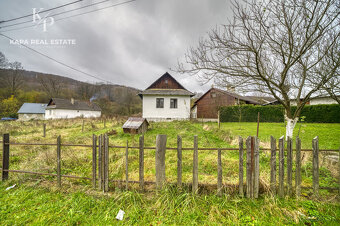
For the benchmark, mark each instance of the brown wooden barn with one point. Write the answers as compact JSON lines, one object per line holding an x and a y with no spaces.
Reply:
{"x":208,"y":104}
{"x":135,"y":125}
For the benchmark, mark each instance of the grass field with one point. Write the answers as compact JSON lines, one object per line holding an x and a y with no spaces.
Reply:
{"x":76,"y":202}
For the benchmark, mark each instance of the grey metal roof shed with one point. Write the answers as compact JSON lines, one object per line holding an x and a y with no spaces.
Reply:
{"x":135,"y":125}
{"x":32,"y":108}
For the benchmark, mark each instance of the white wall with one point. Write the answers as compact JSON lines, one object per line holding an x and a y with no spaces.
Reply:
{"x":194,"y":112}
{"x":325,"y":100}
{"x":64,"y":113}
{"x":152,"y":113}
{"x":26,"y":116}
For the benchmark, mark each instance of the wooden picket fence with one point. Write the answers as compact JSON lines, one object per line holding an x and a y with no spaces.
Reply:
{"x":100,"y":164}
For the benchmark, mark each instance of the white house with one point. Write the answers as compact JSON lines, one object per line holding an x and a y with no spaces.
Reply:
{"x":62,"y":108}
{"x":29,"y":111}
{"x":166,"y":99}
{"x":313,"y":101}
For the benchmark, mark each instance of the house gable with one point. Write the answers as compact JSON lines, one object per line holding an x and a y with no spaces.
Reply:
{"x":166,"y":81}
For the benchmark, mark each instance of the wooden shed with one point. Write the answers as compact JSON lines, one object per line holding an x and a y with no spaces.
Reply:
{"x":135,"y":125}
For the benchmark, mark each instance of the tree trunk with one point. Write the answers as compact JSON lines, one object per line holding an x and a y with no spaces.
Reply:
{"x":290,"y":126}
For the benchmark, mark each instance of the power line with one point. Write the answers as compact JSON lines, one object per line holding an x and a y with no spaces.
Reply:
{"x":56,"y":14}
{"x":57,"y":61}
{"x":114,"y":5}
{"x":46,"y":10}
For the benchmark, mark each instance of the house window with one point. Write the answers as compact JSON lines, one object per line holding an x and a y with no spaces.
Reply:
{"x":159,"y":102}
{"x":213,"y":95}
{"x":173,"y":103}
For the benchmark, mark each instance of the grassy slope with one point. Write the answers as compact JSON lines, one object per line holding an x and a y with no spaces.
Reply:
{"x":167,"y":207}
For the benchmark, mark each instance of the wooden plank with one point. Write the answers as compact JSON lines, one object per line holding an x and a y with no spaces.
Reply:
{"x":273,"y":165}
{"x":100,"y":154}
{"x":257,"y":167}
{"x":240,"y":167}
{"x":44,"y":130}
{"x":298,"y":168}
{"x":316,"y":166}
{"x":179,"y":161}
{"x":252,"y":154}
{"x":106,"y":165}
{"x":5,"y":157}
{"x":94,"y":160}
{"x":218,"y":119}
{"x":219,"y":172}
{"x":339,"y":170}
{"x":160,"y":160}
{"x":58,"y":161}
{"x":289,"y":167}
{"x":127,"y":165}
{"x":195,"y":166}
{"x":141,"y":162}
{"x":248,"y":168}
{"x":281,"y":167}
{"x":82,"y":126}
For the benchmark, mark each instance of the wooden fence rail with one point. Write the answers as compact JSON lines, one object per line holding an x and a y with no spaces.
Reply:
{"x":100,"y":164}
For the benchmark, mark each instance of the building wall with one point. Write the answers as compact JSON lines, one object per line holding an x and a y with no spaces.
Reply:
{"x":25,"y":117}
{"x":208,"y":105}
{"x":64,"y":113}
{"x":324,"y":100}
{"x":151,"y":113}
{"x":194,"y":112}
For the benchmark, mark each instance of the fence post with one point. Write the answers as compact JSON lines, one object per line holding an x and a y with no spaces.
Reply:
{"x":160,"y":160}
{"x":248,"y":169}
{"x":106,"y":163}
{"x":195,"y":166}
{"x":273,"y":165}
{"x":281,"y":167}
{"x":179,"y":161}
{"x":5,"y":157}
{"x":289,"y":166}
{"x":100,"y":158}
{"x":82,"y":126}
{"x":58,"y":161}
{"x":94,"y":160}
{"x":219,"y":172}
{"x":44,"y":130}
{"x":141,"y":162}
{"x":339,"y":171}
{"x":316,"y":166}
{"x":298,"y":168}
{"x":257,"y":166}
{"x":240,"y":166}
{"x":219,"y":119}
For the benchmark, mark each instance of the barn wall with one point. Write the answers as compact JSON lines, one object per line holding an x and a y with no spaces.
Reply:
{"x":64,"y":113}
{"x":151,"y":113}
{"x":161,"y":84}
{"x":25,"y":117}
{"x":207,"y":106}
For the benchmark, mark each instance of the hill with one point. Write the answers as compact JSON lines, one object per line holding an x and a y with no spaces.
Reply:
{"x":31,"y":86}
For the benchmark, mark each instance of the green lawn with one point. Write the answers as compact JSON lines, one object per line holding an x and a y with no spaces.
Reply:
{"x":31,"y":204}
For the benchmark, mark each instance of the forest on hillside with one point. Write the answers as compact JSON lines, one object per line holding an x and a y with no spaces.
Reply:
{"x":18,"y":86}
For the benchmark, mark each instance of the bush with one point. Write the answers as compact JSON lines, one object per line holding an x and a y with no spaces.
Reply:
{"x":325,"y":113}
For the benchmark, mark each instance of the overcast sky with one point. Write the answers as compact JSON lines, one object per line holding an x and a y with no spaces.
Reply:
{"x":131,"y":44}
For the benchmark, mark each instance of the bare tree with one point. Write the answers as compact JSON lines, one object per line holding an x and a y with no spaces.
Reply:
{"x":50,"y":85}
{"x":272,"y":46}
{"x":13,"y":79}
{"x":86,"y":91}
{"x":3,"y":61}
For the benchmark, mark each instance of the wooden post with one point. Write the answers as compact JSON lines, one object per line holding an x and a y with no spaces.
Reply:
{"x":5,"y":157}
{"x":219,"y":172}
{"x":195,"y":166}
{"x":281,"y":167}
{"x":44,"y":130}
{"x":127,"y":165}
{"x":141,"y":162}
{"x":179,"y":161}
{"x":298,"y":168}
{"x":82,"y":126}
{"x":104,"y":123}
{"x":273,"y":165}
{"x":94,"y":160}
{"x":257,"y":166}
{"x":339,"y":170}
{"x":240,"y":166}
{"x":218,"y":119}
{"x":289,"y":166}
{"x":316,"y":166}
{"x":100,"y":165}
{"x":58,"y":161}
{"x":258,"y":124}
{"x":248,"y":169}
{"x":160,"y":160}
{"x":252,"y":153}
{"x":106,"y":163}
